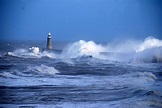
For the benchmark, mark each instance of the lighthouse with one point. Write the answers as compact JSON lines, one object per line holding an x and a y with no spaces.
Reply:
{"x":49,"y":42}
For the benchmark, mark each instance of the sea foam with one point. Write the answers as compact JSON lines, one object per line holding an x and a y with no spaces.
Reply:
{"x":42,"y":69}
{"x":32,"y":52}
{"x":83,"y":48}
{"x":149,"y":42}
{"x":150,"y":50}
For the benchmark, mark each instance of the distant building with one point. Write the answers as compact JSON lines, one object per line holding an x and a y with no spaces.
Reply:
{"x":49,"y":42}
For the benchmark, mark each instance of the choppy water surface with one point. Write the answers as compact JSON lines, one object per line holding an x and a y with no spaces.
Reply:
{"x":85,"y":74}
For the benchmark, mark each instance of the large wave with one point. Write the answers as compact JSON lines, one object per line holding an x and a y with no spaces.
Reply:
{"x":83,"y":48}
{"x":149,"y":42}
{"x":30,"y":71}
{"x":150,"y":50}
{"x":42,"y":69}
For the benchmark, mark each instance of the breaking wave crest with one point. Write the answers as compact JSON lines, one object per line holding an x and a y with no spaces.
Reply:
{"x":150,"y":50}
{"x":83,"y":48}
{"x":149,"y":43}
{"x":32,"y":52}
{"x":30,"y":71}
{"x":135,"y":80}
{"x":42,"y":69}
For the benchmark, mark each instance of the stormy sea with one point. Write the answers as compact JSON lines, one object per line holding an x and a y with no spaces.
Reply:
{"x":81,"y":74}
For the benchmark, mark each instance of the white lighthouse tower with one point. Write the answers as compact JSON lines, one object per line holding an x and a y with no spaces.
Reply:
{"x":49,"y":41}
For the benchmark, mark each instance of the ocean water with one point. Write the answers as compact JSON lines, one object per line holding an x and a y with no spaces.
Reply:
{"x":83,"y":75}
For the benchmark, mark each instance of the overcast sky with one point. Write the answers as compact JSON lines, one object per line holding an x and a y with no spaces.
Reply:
{"x":72,"y":20}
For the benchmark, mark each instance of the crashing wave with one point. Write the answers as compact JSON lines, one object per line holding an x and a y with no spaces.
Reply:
{"x":149,"y":43}
{"x":131,"y":51}
{"x":32,"y":52}
{"x":137,"y":79}
{"x":150,"y":50}
{"x":152,"y":55}
{"x":82,"y":48}
{"x":29,"y":71}
{"x":48,"y":54}
{"x":43,"y":69}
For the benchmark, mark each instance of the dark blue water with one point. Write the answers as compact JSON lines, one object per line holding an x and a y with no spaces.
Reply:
{"x":30,"y":78}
